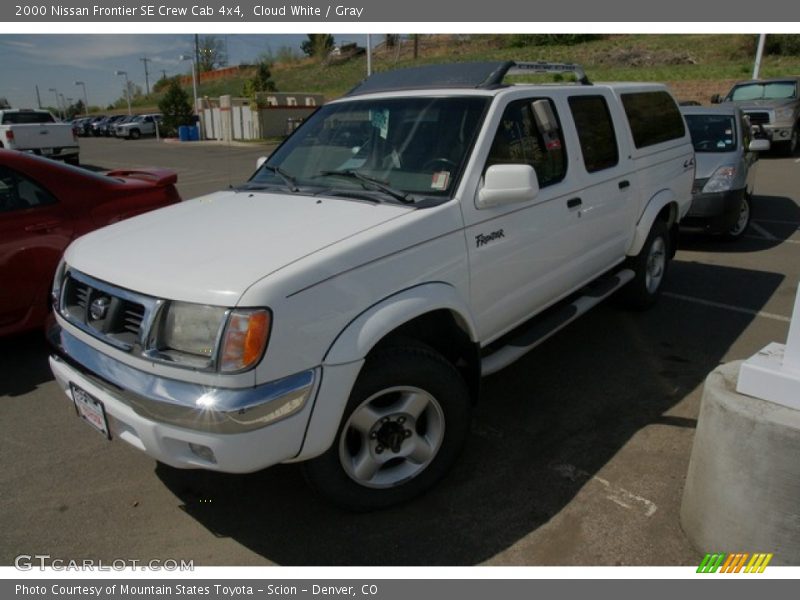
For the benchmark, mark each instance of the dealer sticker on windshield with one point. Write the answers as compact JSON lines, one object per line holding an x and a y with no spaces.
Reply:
{"x":440,"y":180}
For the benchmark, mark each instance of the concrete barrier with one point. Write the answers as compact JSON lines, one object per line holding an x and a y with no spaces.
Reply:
{"x":742,"y":489}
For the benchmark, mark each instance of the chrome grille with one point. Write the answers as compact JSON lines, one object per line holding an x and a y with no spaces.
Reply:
{"x":115,"y":315}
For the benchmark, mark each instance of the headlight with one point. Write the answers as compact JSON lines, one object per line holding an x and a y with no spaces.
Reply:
{"x":783,"y":113}
{"x":720,"y":181}
{"x":203,"y":337}
{"x":193,"y":330}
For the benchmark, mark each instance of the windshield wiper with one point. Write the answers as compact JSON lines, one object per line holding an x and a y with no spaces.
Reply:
{"x":375,"y":183}
{"x":290,"y":181}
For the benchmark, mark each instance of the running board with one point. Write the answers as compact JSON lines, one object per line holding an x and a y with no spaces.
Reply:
{"x":553,"y":320}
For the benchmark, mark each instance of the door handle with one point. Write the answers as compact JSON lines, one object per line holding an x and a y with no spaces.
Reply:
{"x":573,"y":202}
{"x":624,"y":184}
{"x":42,"y":227}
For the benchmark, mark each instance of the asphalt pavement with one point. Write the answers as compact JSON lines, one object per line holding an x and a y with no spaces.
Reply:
{"x":577,"y":456}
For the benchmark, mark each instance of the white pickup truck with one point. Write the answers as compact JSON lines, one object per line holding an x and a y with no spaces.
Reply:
{"x":39,"y":132}
{"x":341,"y":307}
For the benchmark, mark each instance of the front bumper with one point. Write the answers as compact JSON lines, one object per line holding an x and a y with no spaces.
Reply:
{"x":715,"y":213}
{"x":776,"y":133}
{"x":245,"y":430}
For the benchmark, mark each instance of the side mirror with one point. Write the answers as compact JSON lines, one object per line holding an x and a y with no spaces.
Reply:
{"x":260,"y":161}
{"x":507,"y":184}
{"x":759,"y":145}
{"x":716,"y":99}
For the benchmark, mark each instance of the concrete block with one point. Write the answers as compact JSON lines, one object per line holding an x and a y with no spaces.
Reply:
{"x":742,"y":490}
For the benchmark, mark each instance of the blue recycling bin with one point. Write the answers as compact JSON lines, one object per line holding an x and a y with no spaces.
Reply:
{"x":183,"y":133}
{"x":194,"y":133}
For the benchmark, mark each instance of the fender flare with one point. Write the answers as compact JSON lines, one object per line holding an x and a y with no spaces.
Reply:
{"x":367,"y":329}
{"x":654,"y":207}
{"x":345,"y":357}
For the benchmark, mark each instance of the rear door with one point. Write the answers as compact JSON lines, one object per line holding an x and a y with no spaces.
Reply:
{"x":607,"y":204}
{"x":35,"y":228}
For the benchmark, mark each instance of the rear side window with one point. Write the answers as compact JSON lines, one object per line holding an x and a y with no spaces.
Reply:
{"x":26,"y":118}
{"x":654,"y":118}
{"x":595,"y":132}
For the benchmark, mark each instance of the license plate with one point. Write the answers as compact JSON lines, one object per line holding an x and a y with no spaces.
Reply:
{"x":90,"y":409}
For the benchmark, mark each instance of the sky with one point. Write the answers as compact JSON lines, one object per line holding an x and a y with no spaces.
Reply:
{"x":58,"y":61}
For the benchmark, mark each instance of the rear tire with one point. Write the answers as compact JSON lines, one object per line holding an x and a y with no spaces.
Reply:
{"x":404,"y":425}
{"x":650,"y":268}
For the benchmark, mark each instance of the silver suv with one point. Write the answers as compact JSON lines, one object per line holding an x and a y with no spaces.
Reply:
{"x":138,"y":126}
{"x":773,"y":106}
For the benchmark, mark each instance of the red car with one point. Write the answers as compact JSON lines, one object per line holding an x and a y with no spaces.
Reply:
{"x":44,"y":205}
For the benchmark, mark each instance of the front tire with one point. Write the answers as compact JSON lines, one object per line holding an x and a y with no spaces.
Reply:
{"x":404,"y":425}
{"x":650,"y":268}
{"x":134,"y":134}
{"x":742,"y":223}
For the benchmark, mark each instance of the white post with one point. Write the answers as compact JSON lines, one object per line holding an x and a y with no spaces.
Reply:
{"x":759,"y":53}
{"x":791,"y":356}
{"x":369,"y":56}
{"x":774,"y":373}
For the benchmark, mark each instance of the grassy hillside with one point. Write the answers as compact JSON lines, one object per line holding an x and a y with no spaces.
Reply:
{"x":643,"y":57}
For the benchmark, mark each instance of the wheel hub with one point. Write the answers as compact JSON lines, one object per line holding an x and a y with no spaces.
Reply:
{"x":390,"y":434}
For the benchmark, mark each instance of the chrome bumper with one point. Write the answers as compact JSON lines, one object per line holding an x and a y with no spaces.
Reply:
{"x":189,"y":405}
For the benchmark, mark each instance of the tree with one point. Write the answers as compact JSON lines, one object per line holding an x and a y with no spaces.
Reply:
{"x":176,"y":108}
{"x":260,"y":82}
{"x":212,"y":54}
{"x":317,"y":45}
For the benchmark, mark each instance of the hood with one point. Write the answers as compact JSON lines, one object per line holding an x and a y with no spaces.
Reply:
{"x":708,"y":162}
{"x":211,"y":249}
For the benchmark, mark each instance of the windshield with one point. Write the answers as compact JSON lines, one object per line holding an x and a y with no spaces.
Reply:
{"x":712,"y":133}
{"x":777,"y":90}
{"x":416,"y":146}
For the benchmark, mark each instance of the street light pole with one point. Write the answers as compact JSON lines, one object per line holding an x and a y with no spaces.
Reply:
{"x":127,"y":89}
{"x":85,"y":97}
{"x":58,"y":102}
{"x":194,"y":87}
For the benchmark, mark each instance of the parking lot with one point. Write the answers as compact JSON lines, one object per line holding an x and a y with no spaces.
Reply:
{"x":577,"y":455}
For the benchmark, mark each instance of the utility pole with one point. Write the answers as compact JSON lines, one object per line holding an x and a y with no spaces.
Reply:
{"x":164,"y":73}
{"x":146,"y":60}
{"x":38,"y":98}
{"x":197,"y":52}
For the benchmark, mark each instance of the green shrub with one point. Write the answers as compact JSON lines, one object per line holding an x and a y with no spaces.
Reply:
{"x":783,"y":44}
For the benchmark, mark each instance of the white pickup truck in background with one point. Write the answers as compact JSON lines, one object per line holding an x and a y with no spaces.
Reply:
{"x":38,"y":132}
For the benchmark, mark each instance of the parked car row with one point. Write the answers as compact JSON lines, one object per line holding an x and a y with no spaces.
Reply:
{"x":124,"y":126}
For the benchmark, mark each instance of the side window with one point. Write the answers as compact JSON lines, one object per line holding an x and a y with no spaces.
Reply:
{"x":521,"y":138}
{"x":17,"y":192}
{"x":595,"y":132}
{"x":654,"y":118}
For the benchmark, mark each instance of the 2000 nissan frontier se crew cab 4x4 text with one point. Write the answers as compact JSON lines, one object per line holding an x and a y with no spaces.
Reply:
{"x":340,"y":307}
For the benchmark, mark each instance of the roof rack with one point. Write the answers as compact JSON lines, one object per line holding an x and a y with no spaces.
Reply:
{"x":475,"y":75}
